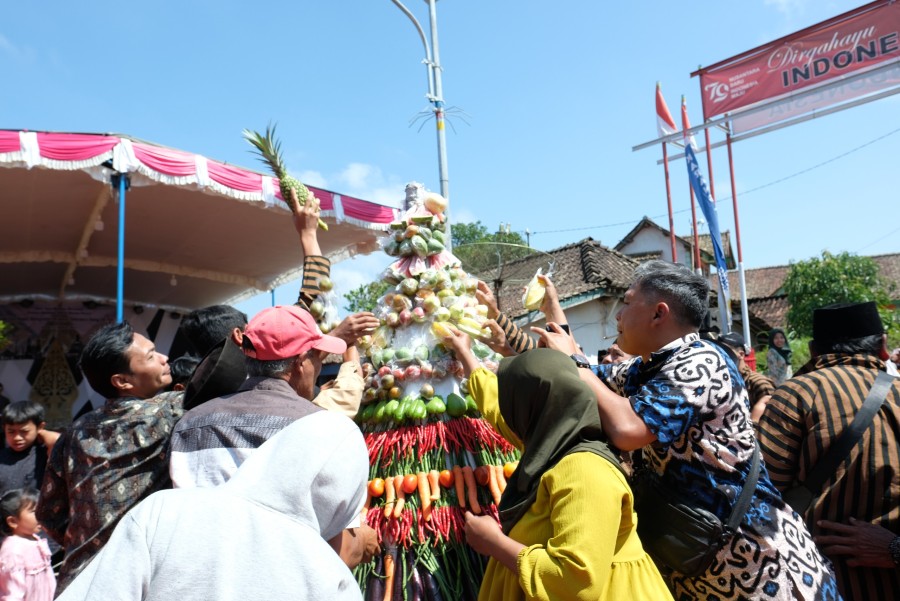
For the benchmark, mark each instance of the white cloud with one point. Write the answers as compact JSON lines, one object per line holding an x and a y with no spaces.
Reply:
{"x":7,"y":46}
{"x":360,"y":175}
{"x":789,"y":8}
{"x":314,"y":178}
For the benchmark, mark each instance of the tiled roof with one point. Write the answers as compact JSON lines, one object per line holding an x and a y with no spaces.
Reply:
{"x":643,"y":223}
{"x":580,"y":268}
{"x":762,"y":282}
{"x":767,"y":301}
{"x":773,"y":311}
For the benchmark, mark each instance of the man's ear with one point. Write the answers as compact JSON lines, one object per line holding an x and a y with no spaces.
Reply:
{"x":237,"y":336}
{"x":120,"y":382}
{"x":41,"y":426}
{"x":662,"y":311}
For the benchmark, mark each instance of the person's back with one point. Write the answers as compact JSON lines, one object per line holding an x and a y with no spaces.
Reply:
{"x":809,"y":413}
{"x":115,"y":456}
{"x":174,"y":546}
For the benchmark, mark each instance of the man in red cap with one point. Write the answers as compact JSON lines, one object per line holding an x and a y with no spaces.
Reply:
{"x":283,"y":351}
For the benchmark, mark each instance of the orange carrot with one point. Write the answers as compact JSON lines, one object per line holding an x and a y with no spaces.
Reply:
{"x":501,"y":479}
{"x":460,"y":485}
{"x":434,"y":484}
{"x":424,"y":495}
{"x":388,"y":496}
{"x":388,"y":577}
{"x":472,"y":489}
{"x":493,"y":486}
{"x":401,"y":497}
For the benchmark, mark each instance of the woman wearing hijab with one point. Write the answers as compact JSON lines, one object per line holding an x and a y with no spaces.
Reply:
{"x":778,"y":359}
{"x":569,"y":531}
{"x":268,"y":533}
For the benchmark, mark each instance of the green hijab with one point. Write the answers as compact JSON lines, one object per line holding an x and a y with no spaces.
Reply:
{"x":553,"y":413}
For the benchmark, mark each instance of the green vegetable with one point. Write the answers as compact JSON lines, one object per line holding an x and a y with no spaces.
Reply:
{"x":456,"y":405}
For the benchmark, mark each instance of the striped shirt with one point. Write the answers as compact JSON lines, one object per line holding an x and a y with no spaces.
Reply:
{"x":315,"y":267}
{"x":518,"y":340}
{"x":805,"y":416}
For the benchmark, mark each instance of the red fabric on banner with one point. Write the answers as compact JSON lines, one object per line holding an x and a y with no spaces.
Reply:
{"x":74,"y":147}
{"x":165,"y":160}
{"x":234,"y":177}
{"x":366,"y":211}
{"x":855,"y":41}
{"x":9,"y":141}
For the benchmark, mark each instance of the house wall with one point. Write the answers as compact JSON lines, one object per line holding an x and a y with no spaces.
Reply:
{"x":593,"y":323}
{"x":652,"y":240}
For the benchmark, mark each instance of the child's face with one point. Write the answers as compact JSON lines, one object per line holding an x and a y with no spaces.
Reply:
{"x":25,"y":524}
{"x":20,"y":437}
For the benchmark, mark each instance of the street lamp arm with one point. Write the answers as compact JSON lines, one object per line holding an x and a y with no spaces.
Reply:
{"x":418,"y":27}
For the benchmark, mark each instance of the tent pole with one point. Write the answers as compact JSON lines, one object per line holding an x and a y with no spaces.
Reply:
{"x":120,"y":268}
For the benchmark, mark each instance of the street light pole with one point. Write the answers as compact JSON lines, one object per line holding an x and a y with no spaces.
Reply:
{"x":435,"y":93}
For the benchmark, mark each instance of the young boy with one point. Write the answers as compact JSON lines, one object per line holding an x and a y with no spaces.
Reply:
{"x":28,"y":444}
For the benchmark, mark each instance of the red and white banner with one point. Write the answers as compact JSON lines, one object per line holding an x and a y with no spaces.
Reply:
{"x":856,"y":41}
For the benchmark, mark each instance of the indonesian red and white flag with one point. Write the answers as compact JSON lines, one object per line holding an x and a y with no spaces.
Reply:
{"x":665,"y":124}
{"x":686,"y":125}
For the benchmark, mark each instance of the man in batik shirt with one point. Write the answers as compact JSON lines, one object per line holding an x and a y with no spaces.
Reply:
{"x":115,"y":456}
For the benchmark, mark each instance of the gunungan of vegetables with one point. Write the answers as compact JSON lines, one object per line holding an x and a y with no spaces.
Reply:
{"x":269,"y":151}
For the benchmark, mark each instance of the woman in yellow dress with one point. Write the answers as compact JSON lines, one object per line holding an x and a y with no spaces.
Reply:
{"x":568,"y":527}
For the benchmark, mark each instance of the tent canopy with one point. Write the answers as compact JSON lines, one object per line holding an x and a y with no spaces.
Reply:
{"x":197,"y":231}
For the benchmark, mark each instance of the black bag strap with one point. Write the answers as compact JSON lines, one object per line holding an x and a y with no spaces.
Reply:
{"x":837,"y":452}
{"x":743,"y":501}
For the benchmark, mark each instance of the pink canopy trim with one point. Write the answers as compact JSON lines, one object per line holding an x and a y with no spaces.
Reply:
{"x":9,"y":141}
{"x":72,"y":151}
{"x":165,"y":160}
{"x":74,"y":147}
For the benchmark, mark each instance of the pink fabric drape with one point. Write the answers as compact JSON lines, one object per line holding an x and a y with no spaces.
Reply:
{"x":9,"y":141}
{"x":165,"y":160}
{"x":177,"y":163}
{"x":74,"y":147}
{"x":234,"y":177}
{"x":366,"y":211}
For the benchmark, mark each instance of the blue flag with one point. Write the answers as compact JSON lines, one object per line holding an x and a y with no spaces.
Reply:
{"x":708,"y":206}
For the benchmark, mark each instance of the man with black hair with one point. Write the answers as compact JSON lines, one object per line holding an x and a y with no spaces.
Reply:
{"x":206,"y":327}
{"x":809,"y":413}
{"x":115,"y":456}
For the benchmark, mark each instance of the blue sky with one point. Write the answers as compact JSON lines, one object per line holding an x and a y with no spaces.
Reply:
{"x":556,"y":96}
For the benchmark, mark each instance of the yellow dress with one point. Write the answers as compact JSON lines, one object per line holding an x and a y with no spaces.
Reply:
{"x":580,"y":534}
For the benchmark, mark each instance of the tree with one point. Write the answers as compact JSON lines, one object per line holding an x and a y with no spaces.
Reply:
{"x":365,"y":297}
{"x":481,"y":250}
{"x":841,"y":278}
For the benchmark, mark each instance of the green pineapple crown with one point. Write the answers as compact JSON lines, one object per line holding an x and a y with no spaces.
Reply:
{"x":268,"y":150}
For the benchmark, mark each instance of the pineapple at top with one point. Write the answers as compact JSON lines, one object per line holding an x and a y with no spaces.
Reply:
{"x":269,"y":151}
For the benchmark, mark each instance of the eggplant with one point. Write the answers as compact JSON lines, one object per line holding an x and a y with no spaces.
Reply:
{"x":375,"y":584}
{"x":429,"y":585}
{"x":414,"y":590}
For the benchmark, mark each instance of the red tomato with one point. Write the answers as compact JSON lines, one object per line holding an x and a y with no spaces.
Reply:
{"x":376,"y":487}
{"x":410,"y":484}
{"x":446,"y":478}
{"x":482,"y":475}
{"x":509,"y":468}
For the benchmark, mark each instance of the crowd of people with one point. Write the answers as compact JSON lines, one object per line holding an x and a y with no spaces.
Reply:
{"x":244,"y":479}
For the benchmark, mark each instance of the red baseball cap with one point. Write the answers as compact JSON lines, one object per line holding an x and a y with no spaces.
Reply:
{"x":282,"y":332}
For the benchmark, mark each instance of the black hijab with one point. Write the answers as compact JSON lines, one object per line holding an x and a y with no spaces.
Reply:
{"x":784,"y":351}
{"x":553,"y":413}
